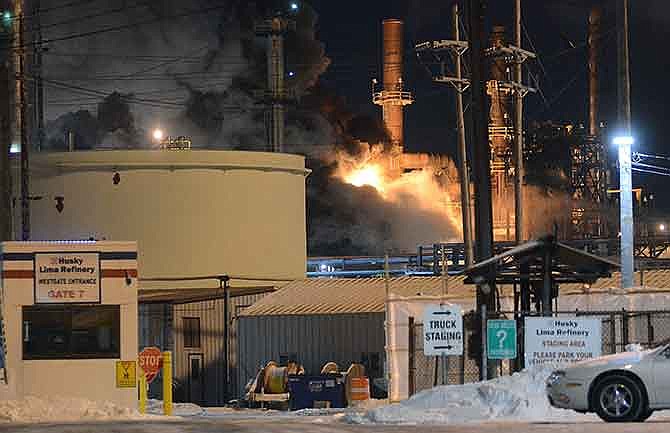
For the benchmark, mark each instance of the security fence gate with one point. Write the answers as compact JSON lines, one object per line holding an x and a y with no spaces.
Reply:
{"x":619,"y":329}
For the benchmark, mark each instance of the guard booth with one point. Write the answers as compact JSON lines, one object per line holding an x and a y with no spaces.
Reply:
{"x":69,"y":316}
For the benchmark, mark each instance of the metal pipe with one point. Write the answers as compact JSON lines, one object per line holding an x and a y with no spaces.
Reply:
{"x":483,"y":371}
{"x":519,"y":226}
{"x":546,"y":280}
{"x":466,"y":210}
{"x":226,"y":337}
{"x":625,"y":176}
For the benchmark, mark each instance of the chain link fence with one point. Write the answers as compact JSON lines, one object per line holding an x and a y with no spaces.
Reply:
{"x":619,"y":330}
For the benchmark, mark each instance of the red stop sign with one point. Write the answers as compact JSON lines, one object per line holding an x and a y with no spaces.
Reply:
{"x":151,"y":361}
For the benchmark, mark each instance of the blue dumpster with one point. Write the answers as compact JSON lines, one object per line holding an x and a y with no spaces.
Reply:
{"x":304,"y":390}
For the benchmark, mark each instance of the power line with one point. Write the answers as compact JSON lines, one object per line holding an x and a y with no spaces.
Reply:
{"x":120,"y":27}
{"x":78,"y":19}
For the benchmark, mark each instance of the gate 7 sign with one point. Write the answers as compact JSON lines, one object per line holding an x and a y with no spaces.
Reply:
{"x":442,"y":330}
{"x":501,"y":339}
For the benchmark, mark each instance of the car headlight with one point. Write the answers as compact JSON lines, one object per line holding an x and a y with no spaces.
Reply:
{"x":555,"y":377}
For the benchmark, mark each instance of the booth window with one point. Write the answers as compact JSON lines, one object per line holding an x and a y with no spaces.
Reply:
{"x":72,"y":332}
{"x":191,"y":331}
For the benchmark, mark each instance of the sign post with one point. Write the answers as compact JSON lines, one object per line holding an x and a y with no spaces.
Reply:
{"x":442,"y":330}
{"x":167,"y":383}
{"x":561,"y":340}
{"x":501,"y":339}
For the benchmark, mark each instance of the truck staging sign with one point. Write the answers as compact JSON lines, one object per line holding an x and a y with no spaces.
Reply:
{"x":442,"y":330}
{"x":62,"y":278}
{"x":561,"y":340}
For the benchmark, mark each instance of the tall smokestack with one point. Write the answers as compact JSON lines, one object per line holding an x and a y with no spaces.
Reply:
{"x":594,"y":47}
{"x":276,"y":94}
{"x":392,"y":98}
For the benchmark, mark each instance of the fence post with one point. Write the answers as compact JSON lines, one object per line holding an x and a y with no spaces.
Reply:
{"x":613,"y":332}
{"x":624,"y":329}
{"x":411,"y":360}
{"x":650,"y":329}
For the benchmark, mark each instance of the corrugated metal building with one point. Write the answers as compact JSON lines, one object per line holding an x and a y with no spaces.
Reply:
{"x":314,"y":321}
{"x":194,"y":330}
{"x":318,"y":320}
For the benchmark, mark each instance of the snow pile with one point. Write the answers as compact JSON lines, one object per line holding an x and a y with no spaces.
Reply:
{"x":520,"y":397}
{"x":155,"y":407}
{"x":35,"y":409}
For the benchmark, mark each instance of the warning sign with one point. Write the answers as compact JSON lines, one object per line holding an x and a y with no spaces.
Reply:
{"x":126,"y":374}
{"x":442,"y":330}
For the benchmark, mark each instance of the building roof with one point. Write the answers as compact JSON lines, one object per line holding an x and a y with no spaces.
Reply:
{"x":367,"y":295}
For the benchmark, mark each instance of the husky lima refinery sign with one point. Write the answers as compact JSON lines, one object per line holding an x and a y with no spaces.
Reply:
{"x":62,"y":278}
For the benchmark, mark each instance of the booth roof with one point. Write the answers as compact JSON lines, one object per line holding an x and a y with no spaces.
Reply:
{"x":314,"y":296}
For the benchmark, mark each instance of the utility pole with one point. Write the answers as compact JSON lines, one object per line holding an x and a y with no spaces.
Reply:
{"x":519,"y":225}
{"x":625,"y":175}
{"x":21,"y":120}
{"x":444,"y":50}
{"x":39,"y":83}
{"x":481,"y":165}
{"x":462,"y":151}
{"x":5,"y":145}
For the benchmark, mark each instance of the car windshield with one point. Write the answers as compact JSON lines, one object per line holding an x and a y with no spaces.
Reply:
{"x":660,"y":343}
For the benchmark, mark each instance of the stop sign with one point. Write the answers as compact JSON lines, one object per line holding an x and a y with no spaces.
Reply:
{"x":151,"y":361}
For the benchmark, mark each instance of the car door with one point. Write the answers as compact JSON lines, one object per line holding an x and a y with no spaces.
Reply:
{"x":661,"y":374}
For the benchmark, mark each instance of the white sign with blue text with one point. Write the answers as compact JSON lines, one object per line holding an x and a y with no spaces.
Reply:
{"x":442,"y":330}
{"x":557,"y":340}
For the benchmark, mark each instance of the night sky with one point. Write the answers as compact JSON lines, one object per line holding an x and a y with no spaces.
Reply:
{"x":351,"y":33}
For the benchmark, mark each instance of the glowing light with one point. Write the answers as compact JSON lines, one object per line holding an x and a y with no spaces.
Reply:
{"x":158,"y":134}
{"x":291,"y":73}
{"x":294,"y":6}
{"x":661,"y":227}
{"x":15,"y":148}
{"x":625,"y":140}
{"x":370,"y":175}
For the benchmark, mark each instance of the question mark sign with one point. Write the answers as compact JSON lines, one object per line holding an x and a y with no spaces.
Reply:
{"x":502,"y":335}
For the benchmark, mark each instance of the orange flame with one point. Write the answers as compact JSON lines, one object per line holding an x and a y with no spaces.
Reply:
{"x":419,"y":190}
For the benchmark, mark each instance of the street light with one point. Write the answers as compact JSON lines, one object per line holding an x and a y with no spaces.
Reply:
{"x":624,"y":143}
{"x":158,"y":134}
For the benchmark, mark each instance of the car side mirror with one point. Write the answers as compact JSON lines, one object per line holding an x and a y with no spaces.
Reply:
{"x":666,"y":352}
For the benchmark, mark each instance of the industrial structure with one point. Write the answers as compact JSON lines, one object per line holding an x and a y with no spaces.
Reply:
{"x":207,"y":249}
{"x":276,"y":95}
{"x":504,"y":94}
{"x":393,"y":97}
{"x":587,"y":152}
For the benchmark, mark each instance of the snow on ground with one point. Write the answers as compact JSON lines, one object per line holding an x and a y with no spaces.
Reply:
{"x":36,"y":409}
{"x":155,"y":407}
{"x":520,"y":397}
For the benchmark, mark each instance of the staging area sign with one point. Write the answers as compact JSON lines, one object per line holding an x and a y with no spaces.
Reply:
{"x":62,"y":278}
{"x":561,"y":340}
{"x":442,"y":330}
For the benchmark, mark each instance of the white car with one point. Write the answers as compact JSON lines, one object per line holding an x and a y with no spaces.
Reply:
{"x":624,"y":387}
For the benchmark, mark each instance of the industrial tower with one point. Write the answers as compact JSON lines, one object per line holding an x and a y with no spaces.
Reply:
{"x":588,"y":155}
{"x":276,"y":95}
{"x":392,"y":98}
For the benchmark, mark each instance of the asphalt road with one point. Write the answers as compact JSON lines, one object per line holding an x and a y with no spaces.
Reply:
{"x":314,"y":426}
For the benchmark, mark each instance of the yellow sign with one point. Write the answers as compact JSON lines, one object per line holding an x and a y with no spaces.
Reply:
{"x":126,"y":374}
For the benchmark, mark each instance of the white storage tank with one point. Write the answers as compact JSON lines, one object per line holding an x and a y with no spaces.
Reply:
{"x":193,"y":212}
